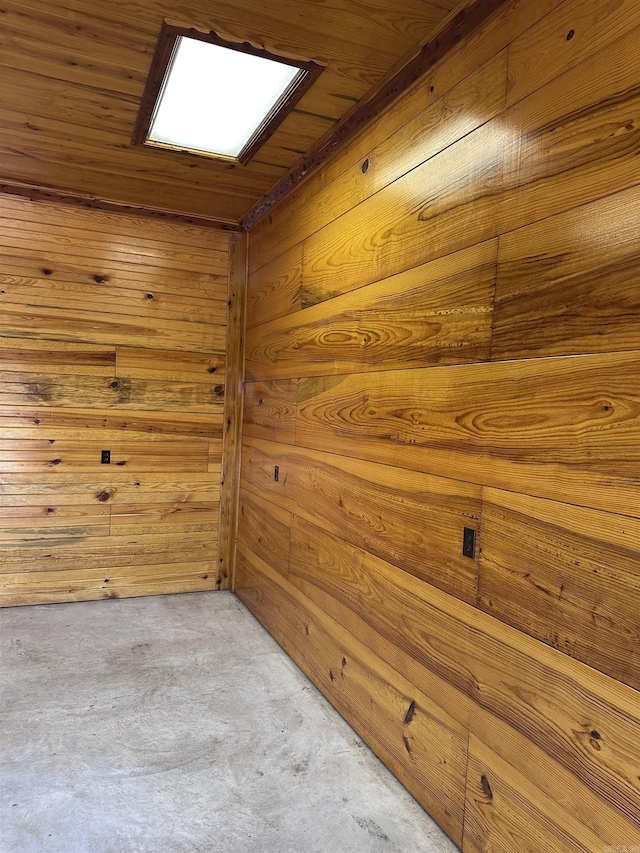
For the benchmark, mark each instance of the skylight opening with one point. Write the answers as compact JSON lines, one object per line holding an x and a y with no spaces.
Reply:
{"x":217,"y":98}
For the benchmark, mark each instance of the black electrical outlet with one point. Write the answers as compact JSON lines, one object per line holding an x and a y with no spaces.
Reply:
{"x":276,"y":473}
{"x":469,"y":543}
{"x":106,"y":457}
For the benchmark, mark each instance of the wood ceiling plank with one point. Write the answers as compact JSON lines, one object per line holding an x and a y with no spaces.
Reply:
{"x":90,"y":63}
{"x":37,"y":167}
{"x":93,"y":150}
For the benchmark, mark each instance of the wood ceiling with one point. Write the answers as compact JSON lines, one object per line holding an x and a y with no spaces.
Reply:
{"x":73,"y":73}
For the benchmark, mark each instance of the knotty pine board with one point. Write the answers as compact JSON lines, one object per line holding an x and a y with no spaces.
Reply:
{"x":548,"y":697}
{"x":112,"y":336}
{"x":270,"y":410}
{"x":556,"y":280}
{"x":265,"y":529}
{"x":229,"y":456}
{"x":29,"y":422}
{"x":440,"y":122}
{"x":420,"y":742}
{"x":274,"y":289}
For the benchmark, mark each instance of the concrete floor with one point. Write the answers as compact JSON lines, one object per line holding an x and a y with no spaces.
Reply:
{"x":171,"y":724}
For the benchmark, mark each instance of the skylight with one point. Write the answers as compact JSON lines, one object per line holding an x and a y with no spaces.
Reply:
{"x":209,"y":96}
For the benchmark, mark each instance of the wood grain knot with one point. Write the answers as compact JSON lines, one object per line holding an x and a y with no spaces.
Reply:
{"x":486,"y":787}
{"x":408,"y":717}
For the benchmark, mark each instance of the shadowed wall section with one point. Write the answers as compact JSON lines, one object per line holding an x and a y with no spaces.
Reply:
{"x":112,"y":337}
{"x":443,"y":333}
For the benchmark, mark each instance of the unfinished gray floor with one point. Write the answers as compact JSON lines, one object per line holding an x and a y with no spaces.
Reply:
{"x":173,"y":724}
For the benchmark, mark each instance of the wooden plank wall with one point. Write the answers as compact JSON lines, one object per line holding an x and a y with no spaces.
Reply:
{"x":112,"y":337}
{"x":444,"y":332}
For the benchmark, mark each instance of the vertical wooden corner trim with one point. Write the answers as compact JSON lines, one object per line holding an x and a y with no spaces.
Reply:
{"x":234,"y":393}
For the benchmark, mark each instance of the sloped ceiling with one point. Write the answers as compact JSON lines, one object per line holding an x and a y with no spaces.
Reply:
{"x":73,"y":73}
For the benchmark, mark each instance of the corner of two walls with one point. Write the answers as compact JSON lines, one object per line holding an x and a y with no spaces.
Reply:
{"x":112,"y":337}
{"x":443,"y":332}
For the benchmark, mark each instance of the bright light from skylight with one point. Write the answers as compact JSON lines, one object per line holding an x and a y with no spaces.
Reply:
{"x":214,"y":98}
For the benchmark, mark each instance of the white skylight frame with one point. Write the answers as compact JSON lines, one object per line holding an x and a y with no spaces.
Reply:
{"x":182,"y":50}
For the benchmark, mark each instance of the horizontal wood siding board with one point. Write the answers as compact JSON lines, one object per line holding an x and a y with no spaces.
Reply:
{"x":477,"y":421}
{"x":439,"y":313}
{"x":469,"y":18}
{"x":270,"y":410}
{"x":95,"y":357}
{"x":565,"y":575}
{"x":265,"y":592}
{"x":554,"y":289}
